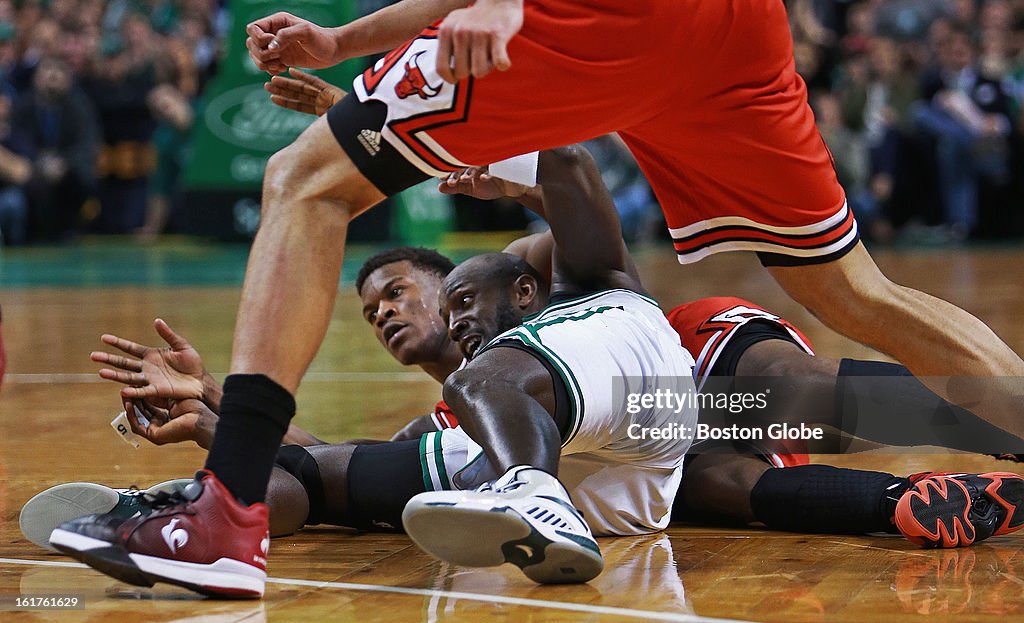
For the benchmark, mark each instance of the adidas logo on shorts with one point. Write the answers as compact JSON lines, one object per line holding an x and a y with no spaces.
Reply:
{"x":370,"y":140}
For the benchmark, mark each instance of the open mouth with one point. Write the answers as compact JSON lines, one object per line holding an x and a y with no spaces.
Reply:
{"x":391,"y":331}
{"x":471,"y":344}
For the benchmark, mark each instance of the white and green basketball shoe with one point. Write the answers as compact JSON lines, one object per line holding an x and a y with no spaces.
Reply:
{"x":56,"y":505}
{"x":525,"y":518}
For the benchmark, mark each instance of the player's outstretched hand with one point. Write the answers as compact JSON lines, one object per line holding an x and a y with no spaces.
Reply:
{"x":185,"y":420}
{"x":474,"y":40}
{"x":477,"y":182}
{"x":175,"y":372}
{"x":303,"y":92}
{"x":282,"y":40}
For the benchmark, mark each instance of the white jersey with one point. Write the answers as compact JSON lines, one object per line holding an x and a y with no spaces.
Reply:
{"x":605,"y":346}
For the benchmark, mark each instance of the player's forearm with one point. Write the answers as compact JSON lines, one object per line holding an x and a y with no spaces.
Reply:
{"x":576,"y":200}
{"x":391,"y":26}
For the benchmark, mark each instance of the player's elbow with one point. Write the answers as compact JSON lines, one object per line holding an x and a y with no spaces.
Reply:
{"x":465,"y":392}
{"x":460,"y":388}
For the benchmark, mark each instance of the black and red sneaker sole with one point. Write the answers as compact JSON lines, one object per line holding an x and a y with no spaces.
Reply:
{"x":937,"y":511}
{"x":214,"y":580}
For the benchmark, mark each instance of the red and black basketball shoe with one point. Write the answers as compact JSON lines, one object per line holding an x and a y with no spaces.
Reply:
{"x":956,"y":510}
{"x":201,"y":538}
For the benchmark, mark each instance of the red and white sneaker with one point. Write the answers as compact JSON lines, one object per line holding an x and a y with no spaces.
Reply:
{"x":956,"y":510}
{"x":201,"y":538}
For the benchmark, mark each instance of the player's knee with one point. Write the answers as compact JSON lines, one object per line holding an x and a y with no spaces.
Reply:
{"x":304,"y":470}
{"x":288,"y":503}
{"x":277,"y":177}
{"x":294,"y":174}
{"x":282,"y":176}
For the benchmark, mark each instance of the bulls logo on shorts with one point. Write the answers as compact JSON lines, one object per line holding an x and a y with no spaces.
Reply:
{"x":414,"y":82}
{"x":417,"y":101}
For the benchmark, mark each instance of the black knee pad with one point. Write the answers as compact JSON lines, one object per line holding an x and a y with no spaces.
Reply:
{"x":382,"y":478}
{"x":298,"y":462}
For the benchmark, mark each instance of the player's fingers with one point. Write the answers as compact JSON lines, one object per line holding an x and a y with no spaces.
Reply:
{"x":133,"y":419}
{"x":499,"y":55}
{"x":479,"y":55}
{"x":291,"y":104}
{"x":134,"y":379}
{"x":444,"y":54}
{"x":132,"y":348}
{"x":175,"y":341}
{"x":295,"y":34}
{"x":273,"y":23}
{"x":118,"y":361}
{"x":153,"y":413}
{"x":259,"y":36}
{"x":139,"y":392}
{"x":314,"y":82}
{"x":293,"y":89}
{"x":460,"y":54}
{"x":261,"y":54}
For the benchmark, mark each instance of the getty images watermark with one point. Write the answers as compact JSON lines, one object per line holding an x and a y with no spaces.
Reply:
{"x":835,"y":413}
{"x":689,"y":400}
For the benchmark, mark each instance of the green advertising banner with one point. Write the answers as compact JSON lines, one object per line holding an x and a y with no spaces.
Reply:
{"x":237,"y":127}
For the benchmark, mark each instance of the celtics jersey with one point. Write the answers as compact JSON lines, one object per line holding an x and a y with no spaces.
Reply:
{"x":611,"y":348}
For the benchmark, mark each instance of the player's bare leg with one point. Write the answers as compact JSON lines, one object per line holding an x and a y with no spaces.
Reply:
{"x":718,"y":485}
{"x":311,"y":191}
{"x":936,"y":340}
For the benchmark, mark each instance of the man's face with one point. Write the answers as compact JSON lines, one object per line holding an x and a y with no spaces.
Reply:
{"x":399,"y":303}
{"x":52,"y":79}
{"x":957,"y":53}
{"x":477,"y":310}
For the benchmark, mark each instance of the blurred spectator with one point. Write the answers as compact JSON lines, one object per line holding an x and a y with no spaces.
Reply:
{"x":877,"y":99}
{"x":60,"y":124}
{"x":935,"y":90}
{"x":141,"y":65}
{"x":908,"y":19}
{"x":119,"y":87}
{"x":850,"y":151}
{"x":8,"y":49}
{"x":967,"y":113}
{"x":15,"y":171}
{"x":174,"y":110}
{"x":43,"y":41}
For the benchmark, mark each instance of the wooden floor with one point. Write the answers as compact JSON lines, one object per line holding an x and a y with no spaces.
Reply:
{"x":53,"y":428}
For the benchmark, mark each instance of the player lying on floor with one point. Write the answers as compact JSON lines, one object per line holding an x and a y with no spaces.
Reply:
{"x":827,"y":386}
{"x":396,"y":288}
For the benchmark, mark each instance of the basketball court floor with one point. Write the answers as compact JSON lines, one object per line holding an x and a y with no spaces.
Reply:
{"x":54,"y":415}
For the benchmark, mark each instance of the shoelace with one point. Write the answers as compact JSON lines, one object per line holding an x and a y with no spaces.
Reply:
{"x":488,"y":487}
{"x":163,"y":499}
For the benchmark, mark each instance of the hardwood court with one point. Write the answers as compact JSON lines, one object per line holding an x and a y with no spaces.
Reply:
{"x":53,"y":428}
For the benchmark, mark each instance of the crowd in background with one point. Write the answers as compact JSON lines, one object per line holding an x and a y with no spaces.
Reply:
{"x":920,"y":101}
{"x":922,"y":105}
{"x":96,"y":104}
